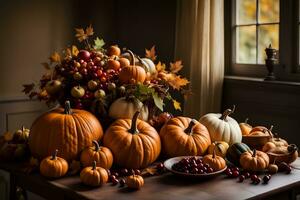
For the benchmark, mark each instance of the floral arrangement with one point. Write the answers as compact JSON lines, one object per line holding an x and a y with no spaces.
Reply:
{"x":93,"y":77}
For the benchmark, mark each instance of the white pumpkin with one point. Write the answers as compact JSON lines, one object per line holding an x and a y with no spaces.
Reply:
{"x":148,"y":65}
{"x":125,"y":108}
{"x":221,"y":127}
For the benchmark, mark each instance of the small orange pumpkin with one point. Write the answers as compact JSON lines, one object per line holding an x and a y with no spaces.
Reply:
{"x":133,"y":142}
{"x":132,"y":73}
{"x":94,"y":176}
{"x":220,"y":147}
{"x":102,"y":156}
{"x":183,"y":136}
{"x":254,"y":160}
{"x":245,"y":127}
{"x":261,"y":131}
{"x":135,"y":181}
{"x":214,"y":161}
{"x":54,"y":166}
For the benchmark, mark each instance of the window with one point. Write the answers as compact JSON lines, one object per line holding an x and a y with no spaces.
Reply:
{"x":251,"y":25}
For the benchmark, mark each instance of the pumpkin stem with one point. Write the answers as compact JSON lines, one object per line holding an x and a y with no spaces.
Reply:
{"x":188,"y":130}
{"x":214,"y":153}
{"x":254,"y":153}
{"x":142,"y":63}
{"x":94,"y":165}
{"x":68,"y":110}
{"x":97,"y":147}
{"x":54,"y":156}
{"x":246,"y":120}
{"x":132,"y":56}
{"x":227,"y":112}
{"x":133,"y":129}
{"x":23,"y":128}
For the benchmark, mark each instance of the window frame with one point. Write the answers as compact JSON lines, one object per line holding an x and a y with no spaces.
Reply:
{"x":288,"y":68}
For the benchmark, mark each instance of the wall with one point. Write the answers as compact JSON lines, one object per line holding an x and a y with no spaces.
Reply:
{"x":265,"y":103}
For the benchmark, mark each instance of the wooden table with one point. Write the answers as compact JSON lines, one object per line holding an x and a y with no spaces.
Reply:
{"x":166,"y":186}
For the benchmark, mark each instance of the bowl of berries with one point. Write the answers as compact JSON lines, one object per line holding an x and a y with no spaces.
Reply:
{"x":193,"y":166}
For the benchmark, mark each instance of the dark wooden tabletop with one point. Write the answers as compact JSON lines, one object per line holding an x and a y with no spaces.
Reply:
{"x":166,"y":186}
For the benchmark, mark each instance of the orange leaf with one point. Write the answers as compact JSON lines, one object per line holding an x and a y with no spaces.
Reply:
{"x":149,"y":171}
{"x":55,"y":58}
{"x":160,"y":67}
{"x":68,"y":52}
{"x":176,"y":67}
{"x":151,"y":53}
{"x":176,"y":82}
{"x":80,"y":34}
{"x":176,"y":105}
{"x":89,"y":30}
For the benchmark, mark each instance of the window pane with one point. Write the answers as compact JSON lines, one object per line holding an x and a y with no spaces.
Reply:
{"x":267,"y":34}
{"x":246,"y":44}
{"x":245,"y":11}
{"x":268,"y":11}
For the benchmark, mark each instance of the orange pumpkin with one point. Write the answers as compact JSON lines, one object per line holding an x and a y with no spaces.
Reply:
{"x":254,"y":161}
{"x":68,"y":130}
{"x":183,"y":136}
{"x":132,"y":73}
{"x":54,"y":166}
{"x":134,"y":143}
{"x":102,"y":156}
{"x":274,"y":143}
{"x":94,"y":176}
{"x":135,"y":181}
{"x":214,"y":161}
{"x":261,"y":131}
{"x":245,"y":127}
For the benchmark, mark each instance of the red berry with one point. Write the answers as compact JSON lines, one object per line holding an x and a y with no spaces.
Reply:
{"x":246,"y":174}
{"x":241,"y":178}
{"x":210,"y":170}
{"x":137,"y":172}
{"x":103,"y":79}
{"x":235,"y":173}
{"x":160,"y":166}
{"x":122,"y":182}
{"x":84,"y":55}
{"x":253,"y":177}
{"x":115,"y":181}
{"x":266,"y":179}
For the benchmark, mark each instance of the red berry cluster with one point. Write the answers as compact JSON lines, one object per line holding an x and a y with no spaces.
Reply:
{"x":192,"y":165}
{"x":117,"y":176}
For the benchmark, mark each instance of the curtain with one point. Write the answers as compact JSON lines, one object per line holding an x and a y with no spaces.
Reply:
{"x":200,"y":44}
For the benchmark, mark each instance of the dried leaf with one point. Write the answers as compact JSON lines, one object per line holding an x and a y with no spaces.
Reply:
{"x":151,"y":53}
{"x":28,"y":88}
{"x":68,"y":52}
{"x":176,"y":105}
{"x":176,"y":82}
{"x":55,"y":58}
{"x":46,"y":65}
{"x":99,"y":43}
{"x":149,"y":171}
{"x":8,"y":136}
{"x":80,"y":34}
{"x":74,"y":167}
{"x":89,"y":30}
{"x":160,"y":67}
{"x":75,"y":50}
{"x":176,"y":67}
{"x":158,"y":101}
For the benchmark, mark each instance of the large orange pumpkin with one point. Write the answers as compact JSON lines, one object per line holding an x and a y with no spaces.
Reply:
{"x":134,"y":143}
{"x":132,"y":73}
{"x":68,"y":130}
{"x":183,"y":136}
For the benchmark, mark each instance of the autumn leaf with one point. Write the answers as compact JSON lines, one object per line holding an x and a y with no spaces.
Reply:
{"x":176,"y":82}
{"x":176,"y":67}
{"x":8,"y":136}
{"x":74,"y":167}
{"x":99,"y":43}
{"x":89,"y":30}
{"x":80,"y":34}
{"x":158,"y":101}
{"x":68,"y":52}
{"x":46,"y":65}
{"x":149,"y":171}
{"x":160,"y":67}
{"x":28,"y":88}
{"x":176,"y":105}
{"x":151,"y":53}
{"x":55,"y":58}
{"x":75,"y":50}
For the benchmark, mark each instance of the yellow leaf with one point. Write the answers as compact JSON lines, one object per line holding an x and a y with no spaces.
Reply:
{"x":89,"y":30}
{"x":8,"y":136}
{"x":151,"y":53}
{"x":55,"y":58}
{"x":160,"y":67}
{"x":176,"y":67}
{"x":176,"y":82}
{"x":80,"y":34}
{"x":75,"y":51}
{"x":176,"y":105}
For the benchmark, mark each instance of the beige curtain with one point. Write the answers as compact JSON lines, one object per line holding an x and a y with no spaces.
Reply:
{"x":200,"y":44}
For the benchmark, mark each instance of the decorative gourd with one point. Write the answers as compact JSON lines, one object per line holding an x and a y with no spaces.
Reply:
{"x":148,"y":65}
{"x":221,"y":127}
{"x":135,"y":181}
{"x":272,"y":168}
{"x":21,"y":135}
{"x":254,"y":160}
{"x":54,"y":166}
{"x":214,"y":161}
{"x":134,"y":143}
{"x":101,"y":155}
{"x":220,"y":147}
{"x":68,"y":130}
{"x":183,"y":136}
{"x":274,"y":142}
{"x":245,"y":127}
{"x":94,"y":176}
{"x":287,"y":154}
{"x":132,"y":73}
{"x":235,"y":151}
{"x":261,"y":131}
{"x":125,"y":108}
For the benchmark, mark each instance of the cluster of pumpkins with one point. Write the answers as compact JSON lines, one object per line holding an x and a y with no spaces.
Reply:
{"x":134,"y":143}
